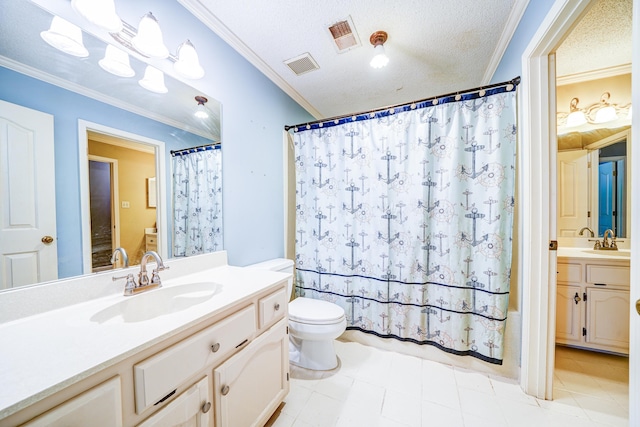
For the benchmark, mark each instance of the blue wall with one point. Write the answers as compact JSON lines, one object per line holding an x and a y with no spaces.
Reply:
{"x":254,"y":111}
{"x":511,"y":63}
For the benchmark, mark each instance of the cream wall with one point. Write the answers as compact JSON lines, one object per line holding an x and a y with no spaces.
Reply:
{"x":134,"y":169}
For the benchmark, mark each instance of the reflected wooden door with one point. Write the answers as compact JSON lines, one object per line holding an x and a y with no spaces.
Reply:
{"x":28,"y":249}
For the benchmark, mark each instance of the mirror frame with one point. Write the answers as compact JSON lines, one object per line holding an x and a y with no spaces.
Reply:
{"x":161,"y":185}
{"x":593,"y":178}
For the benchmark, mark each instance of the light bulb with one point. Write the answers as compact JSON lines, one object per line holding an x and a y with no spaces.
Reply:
{"x":99,"y":12}
{"x":116,"y":62}
{"x":66,"y":37}
{"x":380,"y":59}
{"x":148,"y":41}
{"x":153,"y":80}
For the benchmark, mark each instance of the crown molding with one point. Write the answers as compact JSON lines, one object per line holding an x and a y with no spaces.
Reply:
{"x":202,"y":13}
{"x":517,"y":11}
{"x":594,"y":75}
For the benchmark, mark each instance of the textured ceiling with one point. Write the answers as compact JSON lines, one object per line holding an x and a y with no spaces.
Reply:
{"x":434,"y":46}
{"x":602,"y":39}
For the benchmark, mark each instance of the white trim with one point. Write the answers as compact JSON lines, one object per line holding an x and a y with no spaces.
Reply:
{"x":203,"y":14}
{"x":161,"y":217}
{"x":508,"y":30}
{"x":536,"y":130}
{"x":89,"y":93}
{"x":594,"y":75}
{"x":634,"y":168}
{"x":115,"y":195}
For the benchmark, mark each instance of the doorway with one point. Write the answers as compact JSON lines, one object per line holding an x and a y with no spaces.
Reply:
{"x":103,"y":198}
{"x":135,"y":212}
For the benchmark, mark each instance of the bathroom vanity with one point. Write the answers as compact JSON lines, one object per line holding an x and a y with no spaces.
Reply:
{"x":593,"y":302}
{"x":209,"y":348}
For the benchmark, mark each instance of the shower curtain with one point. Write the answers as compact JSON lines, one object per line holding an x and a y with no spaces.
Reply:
{"x":404,"y":218}
{"x":197,"y":200}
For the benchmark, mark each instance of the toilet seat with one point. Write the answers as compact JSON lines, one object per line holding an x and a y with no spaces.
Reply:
{"x":315,"y":312}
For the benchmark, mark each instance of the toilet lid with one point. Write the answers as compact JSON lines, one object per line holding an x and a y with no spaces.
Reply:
{"x":314,"y":311}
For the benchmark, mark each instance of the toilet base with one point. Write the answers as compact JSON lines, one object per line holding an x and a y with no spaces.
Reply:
{"x":315,"y":355}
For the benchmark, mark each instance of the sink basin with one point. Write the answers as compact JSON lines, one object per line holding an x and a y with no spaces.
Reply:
{"x":618,"y":253}
{"x":157,"y":302}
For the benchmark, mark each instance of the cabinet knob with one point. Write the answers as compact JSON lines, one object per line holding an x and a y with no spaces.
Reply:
{"x":205,"y":407}
{"x":276,"y":306}
{"x":638,"y":306}
{"x":215,"y":347}
{"x":225,"y":390}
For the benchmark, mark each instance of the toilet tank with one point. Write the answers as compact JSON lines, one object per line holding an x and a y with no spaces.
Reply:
{"x":282,"y":265}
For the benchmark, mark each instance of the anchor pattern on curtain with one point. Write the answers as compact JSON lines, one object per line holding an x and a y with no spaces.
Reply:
{"x":404,"y":218}
{"x":197,"y":200}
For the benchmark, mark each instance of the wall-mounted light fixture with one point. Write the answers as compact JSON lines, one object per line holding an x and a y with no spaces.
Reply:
{"x":576,"y":116}
{"x":595,"y":114}
{"x":66,"y":37}
{"x":146,"y":41}
{"x":380,"y":59}
{"x":153,"y":80}
{"x":201,"y":109}
{"x":116,"y":61}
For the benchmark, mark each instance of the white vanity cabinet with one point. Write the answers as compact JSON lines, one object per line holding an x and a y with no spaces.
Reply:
{"x":99,"y":406}
{"x":191,"y":408}
{"x":251,"y":384}
{"x":593,"y":303}
{"x":227,"y":367}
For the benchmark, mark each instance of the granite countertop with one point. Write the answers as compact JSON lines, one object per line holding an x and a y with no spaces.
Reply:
{"x":46,"y":352}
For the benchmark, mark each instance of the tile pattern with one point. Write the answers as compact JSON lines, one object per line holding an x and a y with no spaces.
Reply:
{"x":373,"y":388}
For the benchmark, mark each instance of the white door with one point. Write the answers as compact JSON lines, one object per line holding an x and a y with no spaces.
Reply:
{"x":28,"y":249}
{"x":572,"y":206}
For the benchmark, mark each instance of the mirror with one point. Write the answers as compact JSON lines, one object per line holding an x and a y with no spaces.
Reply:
{"x":83,"y":98}
{"x":594,"y":147}
{"x":594,"y":187}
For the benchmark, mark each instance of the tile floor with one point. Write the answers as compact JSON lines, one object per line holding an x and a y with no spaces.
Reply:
{"x":373,"y":388}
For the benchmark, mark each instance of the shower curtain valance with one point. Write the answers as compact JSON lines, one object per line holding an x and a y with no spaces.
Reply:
{"x":184,"y":151}
{"x":404,"y":217}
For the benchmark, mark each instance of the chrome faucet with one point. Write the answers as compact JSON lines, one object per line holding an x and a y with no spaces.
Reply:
{"x":143,"y":277}
{"x":582,"y":230}
{"x":123,"y":253}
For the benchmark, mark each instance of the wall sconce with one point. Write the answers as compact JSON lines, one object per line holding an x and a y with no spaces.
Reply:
{"x":605,"y":112}
{"x":201,"y":109}
{"x":380,"y":58}
{"x":153,"y":80}
{"x":148,"y":39}
{"x":116,"y":62}
{"x":576,"y":116}
{"x":66,"y":37}
{"x":187,"y":64}
{"x":99,"y":12}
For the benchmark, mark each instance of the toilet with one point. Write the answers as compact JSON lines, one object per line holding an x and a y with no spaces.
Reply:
{"x":313,"y":324}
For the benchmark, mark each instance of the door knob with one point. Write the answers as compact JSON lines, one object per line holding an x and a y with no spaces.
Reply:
{"x":638,"y":306}
{"x":47,"y":239}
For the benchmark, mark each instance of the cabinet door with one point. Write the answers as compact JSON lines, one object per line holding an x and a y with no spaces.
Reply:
{"x":569,"y":311}
{"x":251,"y":384}
{"x":608,"y":318}
{"x":191,"y":409}
{"x":100,"y":406}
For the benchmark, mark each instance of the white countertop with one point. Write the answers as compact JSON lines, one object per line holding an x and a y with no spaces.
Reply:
{"x":46,"y":352}
{"x":591,"y":254}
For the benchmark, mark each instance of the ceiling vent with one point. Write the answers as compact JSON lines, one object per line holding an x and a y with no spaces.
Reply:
{"x":302,"y":64}
{"x":344,"y":35}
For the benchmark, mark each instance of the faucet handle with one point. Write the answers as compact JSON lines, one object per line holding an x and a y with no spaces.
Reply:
{"x":155,"y":277}
{"x":130,"y":285}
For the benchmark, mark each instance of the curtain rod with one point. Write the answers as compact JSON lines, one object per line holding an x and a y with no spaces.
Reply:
{"x":515,"y":81}
{"x":196,"y":148}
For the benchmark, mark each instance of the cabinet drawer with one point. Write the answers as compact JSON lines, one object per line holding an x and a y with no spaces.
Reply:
{"x":272,"y":307}
{"x":608,"y":275}
{"x":569,"y":273}
{"x":162,"y":373}
{"x":151,"y":239}
{"x":193,"y":407}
